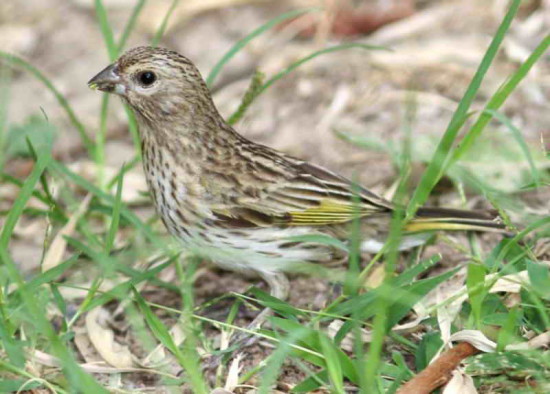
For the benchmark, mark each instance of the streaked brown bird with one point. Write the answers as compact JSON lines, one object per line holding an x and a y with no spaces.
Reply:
{"x":238,"y":203}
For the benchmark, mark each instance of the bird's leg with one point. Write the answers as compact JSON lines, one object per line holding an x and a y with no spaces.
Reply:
{"x":279,"y":287}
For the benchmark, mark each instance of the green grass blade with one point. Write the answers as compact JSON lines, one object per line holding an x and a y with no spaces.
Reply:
{"x":244,"y":41}
{"x":540,"y":278}
{"x":112,"y":49}
{"x":106,"y":30}
{"x":162,"y":28}
{"x":159,"y":330}
{"x":334,"y":368}
{"x":255,"y":91}
{"x":386,"y":313}
{"x":277,"y":358}
{"x":516,"y":133}
{"x":12,"y":347}
{"x":312,"y":56}
{"x":133,"y":127}
{"x":507,"y":331}
{"x":11,"y":386}
{"x":312,"y":383}
{"x":433,"y":173}
{"x":251,"y":93}
{"x":130,"y":25}
{"x":121,"y":290}
{"x":124,"y":212}
{"x":101,"y":139}
{"x":537,"y":224}
{"x":19,"y":205}
{"x":5,"y":89}
{"x":475,"y":284}
{"x":77,"y":377}
{"x":107,"y":263}
{"x":49,"y":275}
{"x":115,"y":217}
{"x":499,"y":98}
{"x":15,"y":61}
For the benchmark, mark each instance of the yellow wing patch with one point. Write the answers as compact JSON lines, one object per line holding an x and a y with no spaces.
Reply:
{"x":328,"y":212}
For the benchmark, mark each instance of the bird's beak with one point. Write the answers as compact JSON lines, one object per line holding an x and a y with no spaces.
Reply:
{"x":108,"y":80}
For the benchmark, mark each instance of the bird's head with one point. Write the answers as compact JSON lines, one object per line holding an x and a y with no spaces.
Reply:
{"x":157,"y":83}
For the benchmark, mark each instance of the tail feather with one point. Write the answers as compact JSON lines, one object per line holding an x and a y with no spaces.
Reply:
{"x":433,"y":219}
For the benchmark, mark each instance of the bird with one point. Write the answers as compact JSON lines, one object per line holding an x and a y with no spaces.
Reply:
{"x":242,"y":205}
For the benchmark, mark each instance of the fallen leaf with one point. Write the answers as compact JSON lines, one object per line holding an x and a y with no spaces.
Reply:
{"x":475,"y":338}
{"x":104,"y":342}
{"x":460,"y":383}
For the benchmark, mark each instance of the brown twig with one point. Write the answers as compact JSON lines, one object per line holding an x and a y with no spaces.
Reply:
{"x":439,"y":372}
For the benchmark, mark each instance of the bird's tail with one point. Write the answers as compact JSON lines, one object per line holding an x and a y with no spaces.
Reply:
{"x":434,"y":219}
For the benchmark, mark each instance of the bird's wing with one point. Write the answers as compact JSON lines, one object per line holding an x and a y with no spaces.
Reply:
{"x":308,"y":195}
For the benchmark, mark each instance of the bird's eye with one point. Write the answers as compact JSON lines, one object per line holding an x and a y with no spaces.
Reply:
{"x":147,"y":78}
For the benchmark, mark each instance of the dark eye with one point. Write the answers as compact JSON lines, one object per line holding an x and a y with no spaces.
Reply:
{"x":147,"y":78}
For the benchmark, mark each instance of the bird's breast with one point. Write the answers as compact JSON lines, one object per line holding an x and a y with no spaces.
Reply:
{"x":175,"y":190}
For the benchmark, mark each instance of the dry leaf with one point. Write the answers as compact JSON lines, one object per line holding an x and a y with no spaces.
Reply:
{"x":347,"y":342}
{"x":103,"y":340}
{"x":366,"y":335}
{"x":376,"y":277}
{"x":446,"y":313}
{"x":509,"y":283}
{"x":475,"y":338}
{"x":85,"y":347}
{"x":460,"y":383}
{"x":534,"y":343}
{"x":48,"y":360}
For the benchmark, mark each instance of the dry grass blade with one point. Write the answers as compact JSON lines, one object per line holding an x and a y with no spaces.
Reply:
{"x":232,"y":381}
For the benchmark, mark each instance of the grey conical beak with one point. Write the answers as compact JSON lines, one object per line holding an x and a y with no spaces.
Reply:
{"x":108,"y":80}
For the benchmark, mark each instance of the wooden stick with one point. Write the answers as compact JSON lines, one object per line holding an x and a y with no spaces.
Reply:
{"x":438,"y":372}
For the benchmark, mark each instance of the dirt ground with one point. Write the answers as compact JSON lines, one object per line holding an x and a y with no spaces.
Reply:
{"x":434,"y":53}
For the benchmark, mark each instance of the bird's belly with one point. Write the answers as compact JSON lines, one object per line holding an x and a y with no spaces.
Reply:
{"x":259,"y":249}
